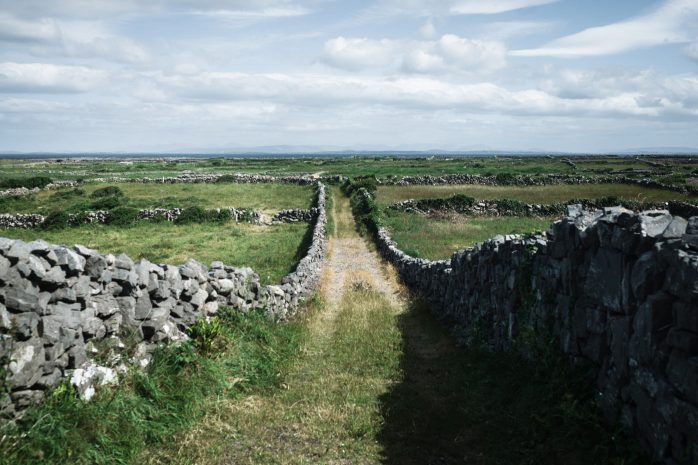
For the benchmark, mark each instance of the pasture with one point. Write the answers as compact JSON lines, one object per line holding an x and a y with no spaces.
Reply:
{"x":529,"y":194}
{"x":265,"y":197}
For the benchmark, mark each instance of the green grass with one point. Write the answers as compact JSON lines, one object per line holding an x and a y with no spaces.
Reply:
{"x":272,"y":251}
{"x":537,"y":194}
{"x":149,"y":407}
{"x":456,"y":406}
{"x":382,"y":166}
{"x":377,"y":384}
{"x":265,"y":197}
{"x":329,"y":407}
{"x":437,"y":239}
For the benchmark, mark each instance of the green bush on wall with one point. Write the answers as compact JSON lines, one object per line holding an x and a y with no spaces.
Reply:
{"x":67,"y":194}
{"x":29,"y":183}
{"x":108,"y":191}
{"x":55,"y":220}
{"x":201,"y":215}
{"x":122,"y":216}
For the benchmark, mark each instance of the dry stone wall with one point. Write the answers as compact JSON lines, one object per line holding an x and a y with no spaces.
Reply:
{"x":538,"y":180}
{"x":61,"y":306}
{"x":32,"y":220}
{"x":613,"y":288}
{"x":506,"y":207}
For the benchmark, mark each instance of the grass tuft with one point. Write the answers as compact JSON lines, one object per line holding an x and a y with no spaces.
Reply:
{"x":151,"y":407}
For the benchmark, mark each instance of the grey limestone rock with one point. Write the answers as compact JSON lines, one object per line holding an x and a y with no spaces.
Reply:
{"x":676,"y":228}
{"x":655,"y":222}
{"x":69,"y":259}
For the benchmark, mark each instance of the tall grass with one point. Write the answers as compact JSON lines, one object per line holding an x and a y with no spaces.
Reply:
{"x":149,"y":407}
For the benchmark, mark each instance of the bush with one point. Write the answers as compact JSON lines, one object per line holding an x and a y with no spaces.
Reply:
{"x":505,"y":178}
{"x":67,"y":194}
{"x":511,"y":206}
{"x":457,"y":202}
{"x":108,"y":191}
{"x":366,"y":211}
{"x":200,"y":215}
{"x":107,"y":203}
{"x":55,"y":220}
{"x":29,"y":183}
{"x":227,"y":178}
{"x":122,"y":216}
{"x":350,"y":186}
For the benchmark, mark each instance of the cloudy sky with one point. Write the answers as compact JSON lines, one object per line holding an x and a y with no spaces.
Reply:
{"x":198,"y":75}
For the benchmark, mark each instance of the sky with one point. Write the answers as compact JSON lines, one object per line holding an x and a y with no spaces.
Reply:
{"x":217,"y":75}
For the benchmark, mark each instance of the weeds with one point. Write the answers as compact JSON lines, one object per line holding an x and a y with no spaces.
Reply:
{"x":150,"y":407}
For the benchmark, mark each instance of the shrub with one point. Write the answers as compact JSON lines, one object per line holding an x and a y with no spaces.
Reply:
{"x":505,"y":178}
{"x":366,"y":211}
{"x":227,"y":178}
{"x":350,"y":186}
{"x":107,"y":203}
{"x":122,"y":216}
{"x":511,"y":206}
{"x":108,"y":191}
{"x":457,"y":202}
{"x":200,"y":215}
{"x":55,"y":220}
{"x":29,"y":183}
{"x":67,"y":194}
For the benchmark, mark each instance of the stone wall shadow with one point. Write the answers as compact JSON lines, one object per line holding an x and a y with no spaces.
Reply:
{"x":423,"y":424}
{"x":468,"y":406}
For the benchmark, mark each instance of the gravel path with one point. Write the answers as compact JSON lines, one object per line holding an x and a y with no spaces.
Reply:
{"x":351,"y":263}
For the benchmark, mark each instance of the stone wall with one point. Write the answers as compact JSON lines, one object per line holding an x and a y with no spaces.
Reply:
{"x":20,"y":191}
{"x":32,"y":220}
{"x":612,"y":288}
{"x":507,"y":207}
{"x":294,"y":215}
{"x":61,"y":308}
{"x":537,"y":180}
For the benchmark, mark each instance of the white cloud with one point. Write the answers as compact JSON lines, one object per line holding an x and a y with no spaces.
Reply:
{"x":425,"y":93}
{"x":428,"y":30}
{"x":692,"y":51}
{"x":436,"y":8}
{"x":670,"y":23}
{"x":360,"y":53}
{"x":504,"y":30}
{"x":470,"y":7}
{"x":107,"y":8}
{"x":51,"y":37}
{"x":449,"y":53}
{"x":42,"y":77}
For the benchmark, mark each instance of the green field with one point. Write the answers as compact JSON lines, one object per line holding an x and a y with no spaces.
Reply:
{"x":272,"y":251}
{"x":265,"y":197}
{"x":437,"y":239}
{"x":680,"y":167}
{"x":534,"y":194}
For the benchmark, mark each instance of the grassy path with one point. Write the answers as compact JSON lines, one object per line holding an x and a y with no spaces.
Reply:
{"x":329,"y":407}
{"x":376,"y":380}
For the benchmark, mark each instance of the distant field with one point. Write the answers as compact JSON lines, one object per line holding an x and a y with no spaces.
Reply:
{"x":535,"y":194}
{"x":381,"y":166}
{"x":437,"y":239}
{"x":265,"y":197}
{"x":272,"y":251}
